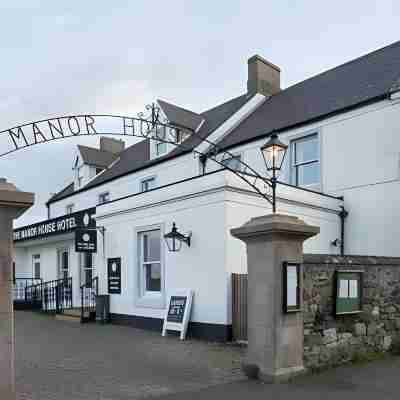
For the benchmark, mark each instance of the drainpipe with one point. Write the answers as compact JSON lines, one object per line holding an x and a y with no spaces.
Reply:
{"x":342,"y":215}
{"x":203,"y":161}
{"x":48,"y":210}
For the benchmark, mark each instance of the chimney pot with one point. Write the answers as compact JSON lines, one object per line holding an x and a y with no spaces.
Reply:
{"x":263,"y":77}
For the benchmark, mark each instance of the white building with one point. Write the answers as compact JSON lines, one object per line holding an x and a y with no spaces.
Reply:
{"x":342,"y":128}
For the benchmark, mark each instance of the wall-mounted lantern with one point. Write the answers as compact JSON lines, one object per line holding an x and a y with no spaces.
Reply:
{"x":274,"y":152}
{"x":174,"y":239}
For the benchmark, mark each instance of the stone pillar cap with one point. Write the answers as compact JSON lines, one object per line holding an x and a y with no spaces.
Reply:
{"x":10,"y":196}
{"x":275,"y":224}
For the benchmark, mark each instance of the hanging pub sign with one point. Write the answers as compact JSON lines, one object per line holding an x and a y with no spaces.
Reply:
{"x":56,"y":226}
{"x":86,"y":240}
{"x":114,"y":275}
{"x":178,"y":312}
{"x":291,"y":287}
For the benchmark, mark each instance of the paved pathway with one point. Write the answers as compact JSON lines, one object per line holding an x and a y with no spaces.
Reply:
{"x":379,"y":380}
{"x":65,"y":360}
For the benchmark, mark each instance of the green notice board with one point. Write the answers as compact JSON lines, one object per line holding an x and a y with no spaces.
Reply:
{"x":348,"y":292}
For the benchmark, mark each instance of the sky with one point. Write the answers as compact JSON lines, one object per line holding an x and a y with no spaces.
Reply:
{"x":60,"y":58}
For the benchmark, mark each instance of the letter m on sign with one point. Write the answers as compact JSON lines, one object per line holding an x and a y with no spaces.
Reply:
{"x":17,"y":138}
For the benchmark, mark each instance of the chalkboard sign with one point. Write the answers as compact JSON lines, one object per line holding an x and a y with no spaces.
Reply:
{"x":178,"y":312}
{"x":114,"y":275}
{"x":176,"y":309}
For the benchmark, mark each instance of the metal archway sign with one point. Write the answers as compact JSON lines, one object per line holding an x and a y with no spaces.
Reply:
{"x":146,"y":127}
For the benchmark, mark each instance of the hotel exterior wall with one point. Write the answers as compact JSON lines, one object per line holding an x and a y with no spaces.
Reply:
{"x":200,"y":267}
{"x":208,"y":206}
{"x":167,"y":172}
{"x":360,"y":160}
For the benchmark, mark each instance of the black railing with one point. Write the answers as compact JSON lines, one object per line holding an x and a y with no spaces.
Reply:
{"x":20,"y":284}
{"x":89,"y":291}
{"x":53,"y":296}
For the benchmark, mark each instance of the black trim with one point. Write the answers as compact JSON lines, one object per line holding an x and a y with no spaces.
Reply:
{"x":197,"y":330}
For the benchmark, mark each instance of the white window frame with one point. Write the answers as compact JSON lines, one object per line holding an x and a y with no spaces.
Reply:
{"x":146,"y":179}
{"x":59,"y":260}
{"x":69,"y":208}
{"x":294,"y":165}
{"x":36,"y":258}
{"x":145,"y":298}
{"x":83,"y":269}
{"x":107,"y":193}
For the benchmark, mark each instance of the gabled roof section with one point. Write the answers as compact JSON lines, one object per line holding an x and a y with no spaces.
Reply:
{"x":96,"y":157}
{"x":180,"y":116}
{"x":132,"y":158}
{"x":67,"y":191}
{"x":137,"y":156}
{"x":213,"y":119}
{"x":365,"y":79}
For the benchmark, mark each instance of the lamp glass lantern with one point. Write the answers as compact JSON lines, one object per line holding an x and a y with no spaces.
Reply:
{"x":274,"y":152}
{"x":174,"y":239}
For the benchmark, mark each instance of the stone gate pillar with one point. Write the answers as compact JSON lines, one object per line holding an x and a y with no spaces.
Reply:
{"x":275,"y":339}
{"x":12,"y":204}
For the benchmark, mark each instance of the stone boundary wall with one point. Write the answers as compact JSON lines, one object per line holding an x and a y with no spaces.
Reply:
{"x":332,"y":340}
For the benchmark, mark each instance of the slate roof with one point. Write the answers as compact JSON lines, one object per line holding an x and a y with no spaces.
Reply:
{"x":180,"y":116}
{"x":137,"y":156}
{"x":365,"y":79}
{"x":68,"y":190}
{"x":357,"y":82}
{"x":96,"y":157}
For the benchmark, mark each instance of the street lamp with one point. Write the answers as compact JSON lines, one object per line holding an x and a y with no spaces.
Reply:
{"x":174,"y":239}
{"x":274,"y":152}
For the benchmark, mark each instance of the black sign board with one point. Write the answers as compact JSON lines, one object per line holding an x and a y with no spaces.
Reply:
{"x":86,"y":240}
{"x":56,"y":226}
{"x":114,"y":275}
{"x":176,"y":309}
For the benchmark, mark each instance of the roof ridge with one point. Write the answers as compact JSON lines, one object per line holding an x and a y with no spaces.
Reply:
{"x":397,"y":43}
{"x":182,"y":108}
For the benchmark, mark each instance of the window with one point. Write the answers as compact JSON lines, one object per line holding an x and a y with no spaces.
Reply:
{"x":69,"y":209}
{"x":233,"y":162}
{"x":36,"y":266}
{"x":305,"y":161}
{"x":87,"y":268}
{"x":348,"y":292}
{"x":80,"y":176}
{"x":104,"y":197}
{"x":161,"y":147}
{"x":150,"y":261}
{"x":147,"y":184}
{"x":63,"y":263}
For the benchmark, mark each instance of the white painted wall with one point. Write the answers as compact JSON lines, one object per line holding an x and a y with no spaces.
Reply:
{"x":167,"y":172}
{"x":360,"y":160}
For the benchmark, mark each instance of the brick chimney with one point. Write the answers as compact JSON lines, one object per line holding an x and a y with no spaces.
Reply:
{"x":263,"y":77}
{"x":111,"y":145}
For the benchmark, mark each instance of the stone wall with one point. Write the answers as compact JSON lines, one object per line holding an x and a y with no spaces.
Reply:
{"x":331,"y":340}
